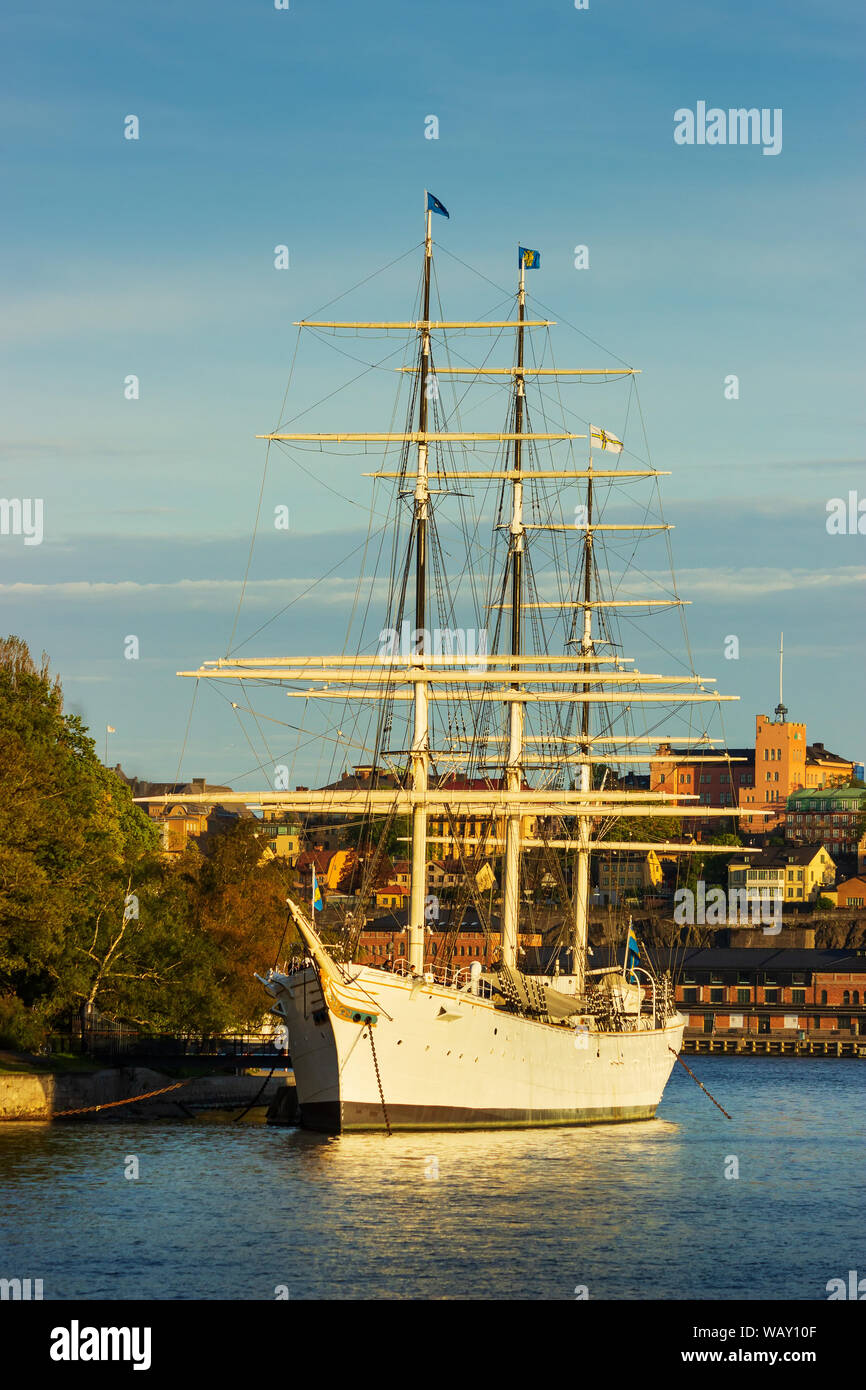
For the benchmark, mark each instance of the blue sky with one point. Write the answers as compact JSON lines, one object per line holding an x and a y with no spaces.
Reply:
{"x":306,"y":127}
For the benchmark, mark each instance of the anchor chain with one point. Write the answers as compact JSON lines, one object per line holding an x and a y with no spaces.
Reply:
{"x":379,"y":1083}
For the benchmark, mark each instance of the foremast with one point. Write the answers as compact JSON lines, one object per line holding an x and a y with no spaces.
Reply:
{"x":516,"y":708}
{"x":420,"y":750}
{"x":580,"y":897}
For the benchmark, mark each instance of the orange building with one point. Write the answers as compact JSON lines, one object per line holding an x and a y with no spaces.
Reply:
{"x":852,"y":893}
{"x":780,"y":768}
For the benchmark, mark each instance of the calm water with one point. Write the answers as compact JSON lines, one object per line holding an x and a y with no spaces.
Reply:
{"x":633,"y":1211}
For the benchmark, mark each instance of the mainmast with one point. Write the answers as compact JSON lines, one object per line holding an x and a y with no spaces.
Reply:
{"x":420,"y":751}
{"x":514,"y":766}
{"x":580,"y":930}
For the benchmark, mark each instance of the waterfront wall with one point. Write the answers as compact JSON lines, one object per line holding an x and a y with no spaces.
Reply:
{"x":42,"y":1096}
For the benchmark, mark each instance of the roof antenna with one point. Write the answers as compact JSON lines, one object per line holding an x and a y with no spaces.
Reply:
{"x":781,"y":710}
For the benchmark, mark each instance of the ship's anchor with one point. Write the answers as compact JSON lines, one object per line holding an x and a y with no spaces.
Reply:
{"x":379,"y":1083}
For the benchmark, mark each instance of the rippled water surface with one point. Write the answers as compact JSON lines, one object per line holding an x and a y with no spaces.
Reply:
{"x":224,"y":1211}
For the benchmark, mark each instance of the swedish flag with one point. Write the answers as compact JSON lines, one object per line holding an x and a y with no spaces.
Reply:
{"x":632,"y":955}
{"x":434,"y":205}
{"x":529,"y":260}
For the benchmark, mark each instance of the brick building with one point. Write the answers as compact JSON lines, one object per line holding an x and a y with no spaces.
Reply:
{"x":741,"y":992}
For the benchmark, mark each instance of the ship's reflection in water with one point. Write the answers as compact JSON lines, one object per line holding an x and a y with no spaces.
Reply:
{"x":648,"y":1210}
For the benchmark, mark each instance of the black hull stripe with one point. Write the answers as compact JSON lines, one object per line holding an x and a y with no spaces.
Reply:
{"x":330,"y":1117}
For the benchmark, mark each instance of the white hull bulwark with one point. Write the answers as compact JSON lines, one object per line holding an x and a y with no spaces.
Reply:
{"x":449,"y":1059}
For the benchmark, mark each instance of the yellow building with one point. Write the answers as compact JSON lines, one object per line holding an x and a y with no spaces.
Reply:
{"x":630,"y":872}
{"x":800,"y":873}
{"x":178,"y":824}
{"x":826,"y":769}
{"x":283,"y":841}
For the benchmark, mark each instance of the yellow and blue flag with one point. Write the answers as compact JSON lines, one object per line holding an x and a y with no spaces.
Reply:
{"x":434,"y":205}
{"x":317,"y":893}
{"x":632,"y":955}
{"x":529,"y":260}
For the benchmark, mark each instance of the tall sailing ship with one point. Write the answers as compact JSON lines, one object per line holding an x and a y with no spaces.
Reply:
{"x":542,"y":701}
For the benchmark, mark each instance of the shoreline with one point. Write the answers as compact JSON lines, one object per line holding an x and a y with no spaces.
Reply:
{"x":117,"y":1094}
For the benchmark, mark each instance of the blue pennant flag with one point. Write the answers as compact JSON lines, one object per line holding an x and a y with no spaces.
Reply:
{"x":530,"y":260}
{"x":434,"y":205}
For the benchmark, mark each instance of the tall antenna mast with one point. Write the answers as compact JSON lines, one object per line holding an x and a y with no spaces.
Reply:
{"x":781,"y":710}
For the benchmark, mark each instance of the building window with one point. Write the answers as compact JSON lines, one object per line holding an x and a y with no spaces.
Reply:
{"x":846,"y":996}
{"x":771,"y":996}
{"x":690,"y":995}
{"x":717,"y":996}
{"x":823,"y":996}
{"x":744,"y":995}
{"x":798,"y":996}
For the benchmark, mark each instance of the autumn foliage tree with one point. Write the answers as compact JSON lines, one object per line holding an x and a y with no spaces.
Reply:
{"x":92,"y":917}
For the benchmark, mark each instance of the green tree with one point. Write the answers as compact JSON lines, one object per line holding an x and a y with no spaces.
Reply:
{"x":241,"y":911}
{"x":72,"y":845}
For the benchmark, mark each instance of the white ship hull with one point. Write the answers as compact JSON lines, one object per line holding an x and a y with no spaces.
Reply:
{"x":448,"y":1059}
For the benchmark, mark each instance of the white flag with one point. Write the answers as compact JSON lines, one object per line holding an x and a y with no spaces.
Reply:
{"x":602,"y":439}
{"x":110,"y":729}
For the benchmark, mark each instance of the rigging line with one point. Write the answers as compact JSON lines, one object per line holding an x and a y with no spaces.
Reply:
{"x":317,"y":478}
{"x":382,"y":268}
{"x":393,"y":509}
{"x":304,"y":593}
{"x":186,"y":733}
{"x":261,"y":496}
{"x":667,"y":535}
{"x":298,"y":728}
{"x":368,"y":367}
{"x":260,"y":767}
{"x":535,"y":300}
{"x":229,"y":647}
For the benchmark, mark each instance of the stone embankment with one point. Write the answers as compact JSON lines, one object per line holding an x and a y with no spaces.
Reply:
{"x":45,"y":1096}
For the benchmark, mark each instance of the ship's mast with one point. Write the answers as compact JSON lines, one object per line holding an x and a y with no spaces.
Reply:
{"x":514,"y":766}
{"x":420,"y":753}
{"x":509,"y":676}
{"x":580,"y":931}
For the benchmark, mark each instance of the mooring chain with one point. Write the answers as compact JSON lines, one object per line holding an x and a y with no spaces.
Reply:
{"x":379,"y":1082}
{"x":699,"y":1083}
{"x":110,"y":1104}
